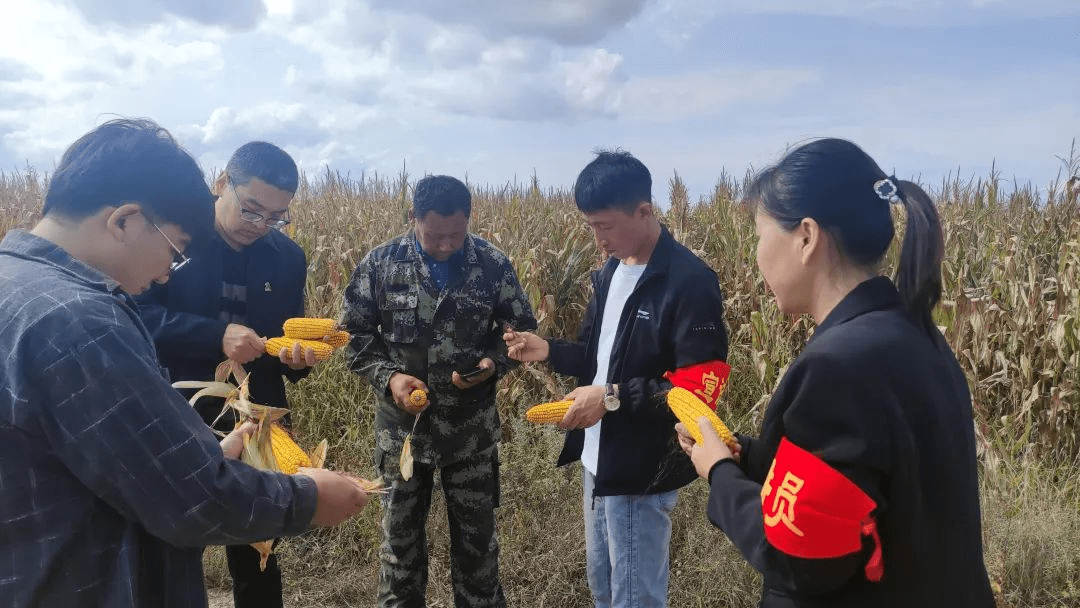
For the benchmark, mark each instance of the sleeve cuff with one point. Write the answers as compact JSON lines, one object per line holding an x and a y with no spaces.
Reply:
{"x":381,"y":380}
{"x":557,"y":357}
{"x":306,"y":500}
{"x":214,"y":334}
{"x":717,"y":464}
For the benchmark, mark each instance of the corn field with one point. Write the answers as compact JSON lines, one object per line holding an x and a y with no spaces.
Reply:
{"x":1009,"y":309}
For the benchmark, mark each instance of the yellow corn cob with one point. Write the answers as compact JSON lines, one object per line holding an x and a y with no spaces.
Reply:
{"x":289,"y":456}
{"x":309,"y":329}
{"x":548,"y":412}
{"x":337,"y":339}
{"x":322,"y":349}
{"x":417,"y":397}
{"x":688,"y":408}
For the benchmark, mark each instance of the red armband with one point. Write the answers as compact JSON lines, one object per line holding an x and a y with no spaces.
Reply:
{"x":813,"y":511}
{"x":706,"y":380}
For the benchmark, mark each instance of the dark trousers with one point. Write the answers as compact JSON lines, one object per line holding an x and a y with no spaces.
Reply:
{"x":252,"y":588}
{"x":471,"y":489}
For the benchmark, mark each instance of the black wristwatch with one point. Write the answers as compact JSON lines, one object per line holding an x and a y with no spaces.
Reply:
{"x":611,"y":398}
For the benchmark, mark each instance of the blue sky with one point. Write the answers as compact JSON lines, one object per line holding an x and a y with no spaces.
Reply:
{"x":499,"y":90}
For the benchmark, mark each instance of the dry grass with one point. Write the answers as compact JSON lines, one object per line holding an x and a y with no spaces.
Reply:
{"x":1012,"y":288}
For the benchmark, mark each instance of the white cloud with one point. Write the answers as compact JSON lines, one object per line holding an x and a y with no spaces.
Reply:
{"x":239,"y":14}
{"x":411,"y":61}
{"x":495,"y":90}
{"x":569,"y":22}
{"x":700,"y":94}
{"x":592,"y":82}
{"x":929,"y":13}
{"x":65,"y":75}
{"x":66,"y":50}
{"x":271,"y":121}
{"x":15,"y":70}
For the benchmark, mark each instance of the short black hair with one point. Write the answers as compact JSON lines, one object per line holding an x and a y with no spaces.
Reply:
{"x":442,"y":194}
{"x":130,"y":160}
{"x":265,"y":161}
{"x":613,"y":180}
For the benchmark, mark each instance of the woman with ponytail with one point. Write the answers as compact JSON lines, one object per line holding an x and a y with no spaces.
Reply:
{"x":862,"y":488}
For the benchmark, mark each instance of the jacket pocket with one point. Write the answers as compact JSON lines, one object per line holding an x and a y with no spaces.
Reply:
{"x":400,"y":317}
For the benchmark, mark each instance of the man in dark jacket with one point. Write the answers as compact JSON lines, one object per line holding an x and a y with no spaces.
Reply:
{"x":243,"y":281}
{"x":656,"y":308}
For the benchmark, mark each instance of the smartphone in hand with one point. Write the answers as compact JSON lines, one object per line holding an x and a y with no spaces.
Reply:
{"x":471,"y":375}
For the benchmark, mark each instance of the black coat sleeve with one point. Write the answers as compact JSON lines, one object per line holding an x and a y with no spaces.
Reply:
{"x":298,"y":295}
{"x":571,"y":358}
{"x":178,"y":333}
{"x":827,"y":407}
{"x":697,"y":335}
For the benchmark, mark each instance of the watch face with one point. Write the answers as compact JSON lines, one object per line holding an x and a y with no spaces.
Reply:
{"x":611,"y":403}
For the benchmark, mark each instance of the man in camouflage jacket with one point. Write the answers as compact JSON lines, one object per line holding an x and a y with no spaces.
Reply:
{"x":423,"y":309}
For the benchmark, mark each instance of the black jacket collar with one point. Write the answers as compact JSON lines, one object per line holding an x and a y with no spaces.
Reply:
{"x":659,"y":261}
{"x":877,"y":293}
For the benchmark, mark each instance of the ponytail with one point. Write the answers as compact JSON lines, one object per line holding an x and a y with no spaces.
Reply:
{"x":918,"y":275}
{"x":837,"y":184}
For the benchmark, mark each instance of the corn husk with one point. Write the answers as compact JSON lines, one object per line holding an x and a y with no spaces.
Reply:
{"x":318,"y":455}
{"x":258,"y":450}
{"x":406,"y":461}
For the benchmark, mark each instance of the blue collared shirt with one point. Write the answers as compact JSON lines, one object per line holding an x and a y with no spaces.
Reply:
{"x":110,"y":484}
{"x":442,"y":272}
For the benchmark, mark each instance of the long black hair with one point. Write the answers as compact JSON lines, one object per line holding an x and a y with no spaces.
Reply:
{"x":838,"y":185}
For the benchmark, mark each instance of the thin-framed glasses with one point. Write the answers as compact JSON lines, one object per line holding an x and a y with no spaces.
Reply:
{"x":254,"y":218}
{"x":179,"y":259}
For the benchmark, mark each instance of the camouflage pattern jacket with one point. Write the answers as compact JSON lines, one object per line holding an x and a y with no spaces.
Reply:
{"x":400,"y":321}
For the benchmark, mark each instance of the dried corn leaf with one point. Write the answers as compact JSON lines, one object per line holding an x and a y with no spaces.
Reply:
{"x":207,"y":389}
{"x":265,"y":548}
{"x":406,"y":462}
{"x":370,"y":486}
{"x":318,"y":455}
{"x":258,"y":449}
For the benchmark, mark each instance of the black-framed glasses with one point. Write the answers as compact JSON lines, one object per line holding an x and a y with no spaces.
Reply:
{"x":253,"y":217}
{"x":179,"y":259}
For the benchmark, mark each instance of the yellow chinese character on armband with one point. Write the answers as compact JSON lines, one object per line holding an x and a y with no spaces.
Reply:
{"x":710,"y":382}
{"x":766,"y":488}
{"x":783,"y":503}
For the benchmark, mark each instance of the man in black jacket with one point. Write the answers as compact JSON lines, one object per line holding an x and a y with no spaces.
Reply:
{"x":239,"y":286}
{"x":656,"y":308}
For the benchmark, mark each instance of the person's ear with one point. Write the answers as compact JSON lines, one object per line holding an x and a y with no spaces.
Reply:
{"x":124,"y":221}
{"x":220,"y":184}
{"x":810,"y":237}
{"x":411,"y":215}
{"x":645,"y":210}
